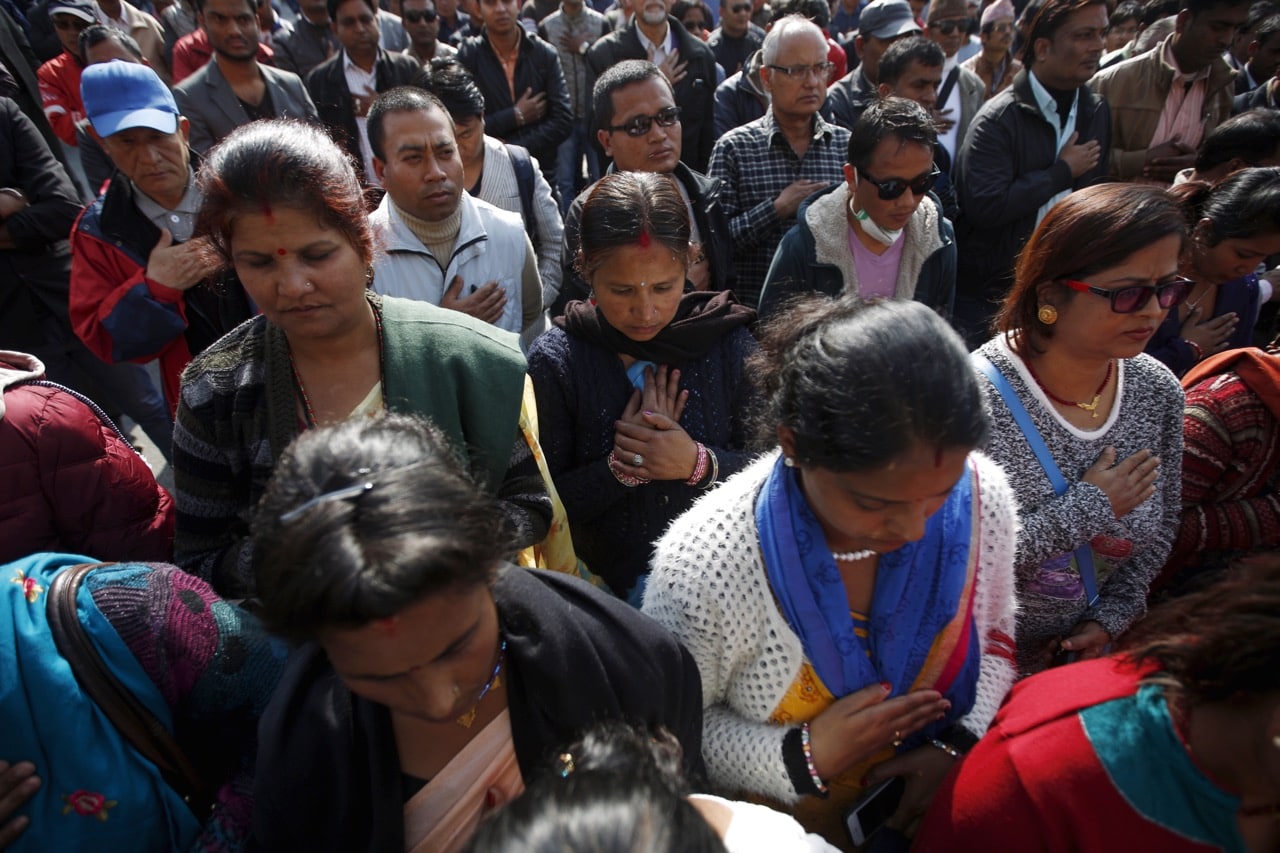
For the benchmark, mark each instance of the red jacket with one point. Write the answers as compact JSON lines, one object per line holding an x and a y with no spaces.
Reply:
{"x":72,"y":483}
{"x":60,"y":93}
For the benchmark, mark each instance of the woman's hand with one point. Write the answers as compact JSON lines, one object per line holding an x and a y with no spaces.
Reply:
{"x":17,"y":784}
{"x":1127,"y":483}
{"x":666,"y":451}
{"x":864,"y":723}
{"x":660,"y":395}
{"x":1211,"y":335}
{"x":1088,"y":640}
{"x":923,"y":769}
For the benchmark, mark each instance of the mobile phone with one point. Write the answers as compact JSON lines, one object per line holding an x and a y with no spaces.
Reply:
{"x":869,"y":813}
{"x":1062,"y":656}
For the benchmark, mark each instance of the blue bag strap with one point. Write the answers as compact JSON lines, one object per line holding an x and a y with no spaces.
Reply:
{"x":1084,"y":554}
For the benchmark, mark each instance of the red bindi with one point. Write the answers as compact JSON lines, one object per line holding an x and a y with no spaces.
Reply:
{"x":281,"y":252}
{"x":643,"y":239}
{"x":388,"y":626}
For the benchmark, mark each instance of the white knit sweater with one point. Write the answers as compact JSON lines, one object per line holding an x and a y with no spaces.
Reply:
{"x":709,"y":587}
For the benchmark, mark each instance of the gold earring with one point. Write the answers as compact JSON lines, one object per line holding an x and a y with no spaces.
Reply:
{"x":368,"y":276}
{"x":1047,"y":315}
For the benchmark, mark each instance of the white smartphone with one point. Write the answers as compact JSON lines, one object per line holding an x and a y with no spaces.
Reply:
{"x":870,"y":812}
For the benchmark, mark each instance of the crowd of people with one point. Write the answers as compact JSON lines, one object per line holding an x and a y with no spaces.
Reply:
{"x":640,"y":426}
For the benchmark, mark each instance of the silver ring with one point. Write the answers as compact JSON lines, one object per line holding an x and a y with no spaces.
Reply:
{"x":637,"y":460}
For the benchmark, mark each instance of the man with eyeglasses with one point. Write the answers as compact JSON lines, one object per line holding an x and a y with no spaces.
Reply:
{"x":1034,"y":143}
{"x":879,"y":234}
{"x":233,"y":88}
{"x":422,"y":26}
{"x":685,"y":61}
{"x":768,"y":166}
{"x":640,"y":128}
{"x":995,"y":65}
{"x":962,"y":92}
{"x":736,"y":38}
{"x":883,"y":23}
{"x":59,"y":78}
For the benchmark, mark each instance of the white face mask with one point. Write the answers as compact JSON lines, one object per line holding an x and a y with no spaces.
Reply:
{"x":871,"y":229}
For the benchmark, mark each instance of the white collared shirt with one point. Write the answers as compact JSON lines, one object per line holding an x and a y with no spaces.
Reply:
{"x":361,"y":82}
{"x":1049,"y":109}
{"x":951,"y":139}
{"x":658,"y":53}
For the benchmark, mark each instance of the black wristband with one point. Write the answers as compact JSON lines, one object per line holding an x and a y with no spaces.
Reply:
{"x":797,"y":766}
{"x":959,"y":737}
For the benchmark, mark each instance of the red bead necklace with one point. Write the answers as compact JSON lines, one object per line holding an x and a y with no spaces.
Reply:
{"x":1091,"y":407}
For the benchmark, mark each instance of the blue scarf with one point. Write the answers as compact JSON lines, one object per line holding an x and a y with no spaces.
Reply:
{"x":917,"y":592}
{"x":97,"y":793}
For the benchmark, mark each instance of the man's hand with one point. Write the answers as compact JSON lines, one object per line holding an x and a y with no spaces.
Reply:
{"x":942,"y":120}
{"x":1167,"y":159}
{"x":361,"y":101}
{"x":788,"y":201}
{"x":484,"y":303}
{"x":571,"y":43}
{"x":17,"y":783}
{"x":531,"y":107}
{"x":10,"y":203}
{"x":673,"y":68}
{"x":180,"y":267}
{"x":1080,"y":158}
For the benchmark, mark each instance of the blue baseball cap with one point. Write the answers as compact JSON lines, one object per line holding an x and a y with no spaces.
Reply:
{"x":123,"y":95}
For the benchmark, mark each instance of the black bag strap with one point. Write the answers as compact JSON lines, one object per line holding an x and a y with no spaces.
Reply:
{"x":523,"y":165}
{"x":135,"y":722}
{"x":947,"y":85}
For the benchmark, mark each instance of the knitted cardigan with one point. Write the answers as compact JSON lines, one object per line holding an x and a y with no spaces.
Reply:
{"x":708,"y":586}
{"x":1147,"y":415}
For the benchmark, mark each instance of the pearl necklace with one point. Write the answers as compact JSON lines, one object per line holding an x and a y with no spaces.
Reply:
{"x":852,"y":556}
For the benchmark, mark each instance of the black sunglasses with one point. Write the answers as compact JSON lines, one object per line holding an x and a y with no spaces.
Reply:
{"x":415,"y":15}
{"x":741,"y":7}
{"x":640,"y":125}
{"x":694,"y":25}
{"x":1127,"y":300}
{"x":894,"y":187}
{"x":949,"y":27}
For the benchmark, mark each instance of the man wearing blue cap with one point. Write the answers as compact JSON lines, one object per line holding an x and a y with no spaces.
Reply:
{"x":138,"y":287}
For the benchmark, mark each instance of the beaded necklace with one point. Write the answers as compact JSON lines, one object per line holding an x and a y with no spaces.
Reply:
{"x":469,"y":716}
{"x":297,"y":377}
{"x":1091,"y":407}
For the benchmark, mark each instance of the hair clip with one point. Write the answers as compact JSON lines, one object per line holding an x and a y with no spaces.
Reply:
{"x":336,"y":495}
{"x":566,"y":764}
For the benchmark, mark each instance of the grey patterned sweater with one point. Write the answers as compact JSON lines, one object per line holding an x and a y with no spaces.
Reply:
{"x":1128,"y":552}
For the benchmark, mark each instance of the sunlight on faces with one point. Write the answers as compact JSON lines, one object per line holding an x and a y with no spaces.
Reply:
{"x":883,"y":508}
{"x":639,"y":312}
{"x":1071,"y":57}
{"x":423,"y":170}
{"x":356,"y":26}
{"x":917,"y":83}
{"x":430,"y":661}
{"x":315,"y":288}
{"x":1087,"y":325}
{"x":232,"y":27}
{"x":1235,"y":257}
{"x":797,"y":98}
{"x":891,"y":159}
{"x":656,"y":151}
{"x":499,"y":16}
{"x":157,"y":163}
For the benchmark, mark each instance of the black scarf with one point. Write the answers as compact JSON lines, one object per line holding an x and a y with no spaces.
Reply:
{"x":703,"y":318}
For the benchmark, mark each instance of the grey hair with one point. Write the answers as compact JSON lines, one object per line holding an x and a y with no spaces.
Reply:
{"x":787,"y":26}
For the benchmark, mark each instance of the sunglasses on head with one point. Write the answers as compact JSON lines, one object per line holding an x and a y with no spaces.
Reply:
{"x":949,"y":27}
{"x":640,"y":125}
{"x":894,"y":187}
{"x":1126,"y":300}
{"x":413,"y":16}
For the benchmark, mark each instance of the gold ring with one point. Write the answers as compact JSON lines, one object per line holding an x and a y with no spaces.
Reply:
{"x":897,"y":739}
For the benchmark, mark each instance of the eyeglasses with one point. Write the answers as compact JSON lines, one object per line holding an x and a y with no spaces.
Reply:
{"x":692,"y":26}
{"x":799,"y":72}
{"x":894,"y":187}
{"x":949,"y":27}
{"x":640,"y":125}
{"x":413,"y":16}
{"x":1126,"y":300}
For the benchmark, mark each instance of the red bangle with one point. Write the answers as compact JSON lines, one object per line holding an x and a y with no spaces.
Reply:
{"x":700,"y":467}
{"x":1195,"y":348}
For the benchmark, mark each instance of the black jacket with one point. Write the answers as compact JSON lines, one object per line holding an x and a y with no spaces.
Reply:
{"x":328,"y":776}
{"x":327,"y":84}
{"x":1006,"y":168}
{"x":695,"y":93}
{"x":708,"y":213}
{"x":537,"y":68}
{"x":849,"y":97}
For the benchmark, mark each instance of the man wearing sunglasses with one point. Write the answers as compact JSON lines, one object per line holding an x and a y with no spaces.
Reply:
{"x":640,"y":128}
{"x":685,"y":60}
{"x":1044,"y":137}
{"x":880,"y":234}
{"x":736,"y":38}
{"x":962,"y":92}
{"x":422,"y":26}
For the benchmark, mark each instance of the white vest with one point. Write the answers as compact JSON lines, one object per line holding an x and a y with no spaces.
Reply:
{"x":490,"y":247}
